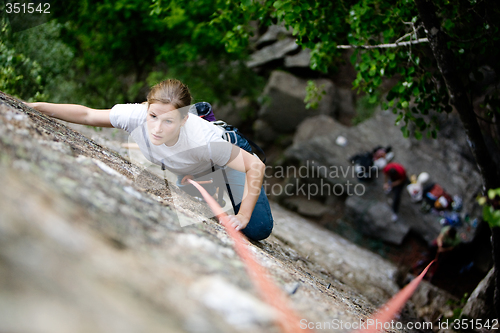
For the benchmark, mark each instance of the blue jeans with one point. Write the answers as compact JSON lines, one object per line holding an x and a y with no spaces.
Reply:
{"x":260,"y":225}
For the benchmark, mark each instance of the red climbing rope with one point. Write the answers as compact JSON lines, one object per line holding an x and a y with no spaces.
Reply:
{"x":287,"y":318}
{"x":389,"y":310}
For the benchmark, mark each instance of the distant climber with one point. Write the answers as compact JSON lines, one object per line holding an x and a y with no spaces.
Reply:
{"x":440,"y":249}
{"x":448,"y":238}
{"x":416,"y":188}
{"x":381,"y":156}
{"x":366,"y":163}
{"x":394,"y":181}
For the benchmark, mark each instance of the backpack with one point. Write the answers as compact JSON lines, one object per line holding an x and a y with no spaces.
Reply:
{"x":231,"y":133}
{"x":362,"y":163}
{"x":433,"y":192}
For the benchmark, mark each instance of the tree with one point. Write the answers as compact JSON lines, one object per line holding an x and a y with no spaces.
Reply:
{"x":19,"y":75}
{"x":119,"y":48}
{"x":443,"y":54}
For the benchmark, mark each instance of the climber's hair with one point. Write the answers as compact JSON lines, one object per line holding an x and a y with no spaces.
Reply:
{"x":172,"y":92}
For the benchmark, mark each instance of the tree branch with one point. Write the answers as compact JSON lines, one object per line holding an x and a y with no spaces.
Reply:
{"x":384,"y":46}
{"x":414,"y":32}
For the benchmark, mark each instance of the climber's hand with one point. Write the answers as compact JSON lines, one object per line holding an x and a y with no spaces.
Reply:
{"x":238,"y":222}
{"x":31,"y":105}
{"x":184,"y":180}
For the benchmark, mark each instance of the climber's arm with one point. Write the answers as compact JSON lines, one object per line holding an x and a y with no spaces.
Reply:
{"x":73,"y":113}
{"x":397,"y":182}
{"x":254,"y":169}
{"x":386,"y":182}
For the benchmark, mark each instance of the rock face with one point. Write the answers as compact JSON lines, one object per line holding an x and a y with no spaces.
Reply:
{"x":432,"y":303}
{"x":480,"y":303}
{"x":315,"y":147}
{"x":373,"y":218}
{"x":92,"y":243}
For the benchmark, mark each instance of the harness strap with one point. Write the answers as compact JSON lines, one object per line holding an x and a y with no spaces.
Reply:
{"x":253,"y":144}
{"x":228,"y":188}
{"x":227,"y":136}
{"x":220,"y":196}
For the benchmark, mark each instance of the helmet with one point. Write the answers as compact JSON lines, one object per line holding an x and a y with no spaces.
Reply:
{"x":441,"y":203}
{"x":423,"y":178}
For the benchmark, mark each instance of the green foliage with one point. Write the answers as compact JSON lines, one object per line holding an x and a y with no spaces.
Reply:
{"x":314,"y":94}
{"x":99,"y":53}
{"x":491,"y":207}
{"x":420,"y":91}
{"x":201,"y":59}
{"x":19,"y":75}
{"x":231,"y":20}
{"x":365,"y":107}
{"x":43,"y":45}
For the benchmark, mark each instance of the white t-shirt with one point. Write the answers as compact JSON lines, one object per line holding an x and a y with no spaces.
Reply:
{"x":199,"y":141}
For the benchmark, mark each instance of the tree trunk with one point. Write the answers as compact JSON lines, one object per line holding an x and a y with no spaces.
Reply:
{"x":495,"y":242}
{"x":458,"y":94}
{"x":460,"y":99}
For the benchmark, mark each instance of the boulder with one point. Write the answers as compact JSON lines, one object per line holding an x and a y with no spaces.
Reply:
{"x":273,"y":34}
{"x":301,"y":59}
{"x":233,"y":112}
{"x":272,"y":52}
{"x":314,"y":126}
{"x":285,"y":109}
{"x":264,"y":132}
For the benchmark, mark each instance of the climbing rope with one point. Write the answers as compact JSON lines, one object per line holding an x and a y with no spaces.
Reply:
{"x":271,"y":294}
{"x":389,"y":310}
{"x":287,"y":318}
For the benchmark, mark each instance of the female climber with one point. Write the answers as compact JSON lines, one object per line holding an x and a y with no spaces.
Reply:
{"x":184,"y":144}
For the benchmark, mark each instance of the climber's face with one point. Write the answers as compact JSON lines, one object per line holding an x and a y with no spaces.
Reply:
{"x":164,"y":124}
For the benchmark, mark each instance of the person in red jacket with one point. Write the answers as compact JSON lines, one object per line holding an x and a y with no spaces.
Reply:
{"x":394,"y":181}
